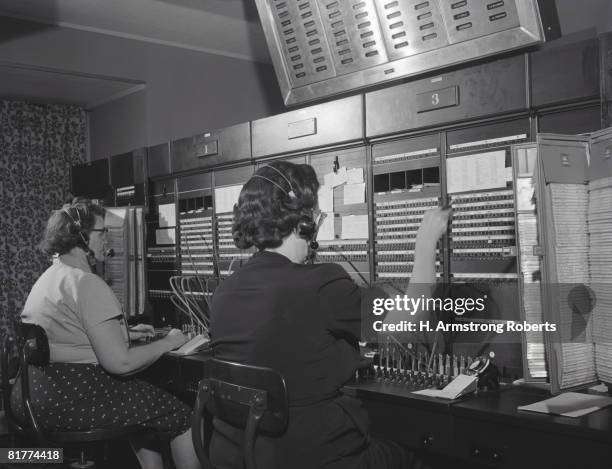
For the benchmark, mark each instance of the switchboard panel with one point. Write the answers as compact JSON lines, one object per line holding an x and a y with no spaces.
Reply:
{"x":91,"y":180}
{"x":406,"y":185}
{"x":158,"y":160}
{"x":312,"y":127}
{"x":128,"y":177}
{"x":195,"y":218}
{"x":482,"y":242}
{"x":482,"y":90}
{"x":227,"y":186}
{"x":571,"y":121}
{"x":211,"y":148}
{"x":125,"y":270}
{"x":479,"y":186}
{"x":345,"y":233}
{"x":564,"y":72}
{"x":162,"y":262}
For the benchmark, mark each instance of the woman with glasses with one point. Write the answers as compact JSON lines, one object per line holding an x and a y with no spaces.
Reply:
{"x":87,"y":383}
{"x":302,"y":320}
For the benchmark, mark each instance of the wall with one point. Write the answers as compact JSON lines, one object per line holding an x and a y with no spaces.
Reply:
{"x":186,"y":91}
{"x":576,"y":15}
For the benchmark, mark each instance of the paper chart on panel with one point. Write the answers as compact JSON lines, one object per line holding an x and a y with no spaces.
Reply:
{"x":326,"y":198}
{"x":336,"y":179}
{"x":327,"y":230}
{"x":476,"y":172}
{"x":354,"y":176}
{"x":354,"y":193}
{"x":167,"y":215}
{"x":226,"y":197}
{"x":355,"y":227}
{"x":165,"y":236}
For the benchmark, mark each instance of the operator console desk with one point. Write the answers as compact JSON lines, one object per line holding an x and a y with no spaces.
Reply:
{"x":483,"y":430}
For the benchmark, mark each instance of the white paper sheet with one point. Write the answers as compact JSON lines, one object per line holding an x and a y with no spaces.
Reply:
{"x":476,"y":172}
{"x":355,"y":227}
{"x":354,"y":176}
{"x":327,"y":231}
{"x":336,"y":179}
{"x":326,"y":198}
{"x":167,"y":215}
{"x":165,"y":236}
{"x":570,"y":404}
{"x":462,"y":384}
{"x":226,"y":197}
{"x":354,"y":193}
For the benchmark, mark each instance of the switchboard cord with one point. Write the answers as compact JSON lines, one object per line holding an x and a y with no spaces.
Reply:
{"x":183,"y":298}
{"x":349,"y":262}
{"x":195,"y":269}
{"x":215,"y":258}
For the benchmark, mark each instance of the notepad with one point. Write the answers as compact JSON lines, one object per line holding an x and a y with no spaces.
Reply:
{"x":462,"y":384}
{"x":569,"y":404}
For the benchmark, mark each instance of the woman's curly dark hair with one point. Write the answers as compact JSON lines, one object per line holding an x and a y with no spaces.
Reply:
{"x":270,"y":206}
{"x":62,"y":233}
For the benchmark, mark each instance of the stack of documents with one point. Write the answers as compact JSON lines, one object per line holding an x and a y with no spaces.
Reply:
{"x":569,"y":204}
{"x":530,"y":266}
{"x":600,"y":260}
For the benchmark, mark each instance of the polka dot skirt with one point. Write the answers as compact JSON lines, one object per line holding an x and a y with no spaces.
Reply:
{"x":72,"y":397}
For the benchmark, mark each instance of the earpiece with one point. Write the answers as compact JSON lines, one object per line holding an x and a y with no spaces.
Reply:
{"x":307,"y":228}
{"x":76,"y":226}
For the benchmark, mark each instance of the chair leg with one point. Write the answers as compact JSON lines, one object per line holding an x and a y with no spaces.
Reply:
{"x":82,"y":463}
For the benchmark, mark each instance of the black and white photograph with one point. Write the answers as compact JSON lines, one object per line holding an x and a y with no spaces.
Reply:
{"x":305,"y":234}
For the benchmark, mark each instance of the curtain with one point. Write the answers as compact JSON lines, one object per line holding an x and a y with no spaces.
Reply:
{"x":38,"y":145}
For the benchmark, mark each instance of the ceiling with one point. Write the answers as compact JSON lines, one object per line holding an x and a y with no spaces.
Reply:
{"x":53,"y":86}
{"x":226,"y":27}
{"x":229,"y":28}
{"x":204,"y":24}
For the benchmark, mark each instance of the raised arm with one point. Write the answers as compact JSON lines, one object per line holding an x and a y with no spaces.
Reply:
{"x":423,"y":277}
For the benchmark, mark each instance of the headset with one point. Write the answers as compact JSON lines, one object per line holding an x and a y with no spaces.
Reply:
{"x":76,"y":227}
{"x":307,"y":227}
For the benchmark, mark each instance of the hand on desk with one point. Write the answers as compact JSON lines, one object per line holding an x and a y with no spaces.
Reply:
{"x":141,"y":331}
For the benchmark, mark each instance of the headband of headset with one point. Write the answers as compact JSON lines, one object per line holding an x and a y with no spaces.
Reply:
{"x":73,"y":213}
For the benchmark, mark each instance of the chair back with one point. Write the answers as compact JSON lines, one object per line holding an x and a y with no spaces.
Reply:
{"x":34,"y":351}
{"x":249,"y":397}
{"x":36,"y":344}
{"x":6,"y":346}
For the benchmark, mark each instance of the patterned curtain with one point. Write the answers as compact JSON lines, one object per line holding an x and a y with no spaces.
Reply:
{"x":38,"y":144}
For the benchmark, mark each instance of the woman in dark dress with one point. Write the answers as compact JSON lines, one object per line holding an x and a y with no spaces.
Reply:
{"x":302,"y":320}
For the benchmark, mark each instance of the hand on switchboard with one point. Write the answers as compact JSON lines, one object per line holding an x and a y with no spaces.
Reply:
{"x":434,"y":224}
{"x":176,"y":338}
{"x":141,"y":331}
